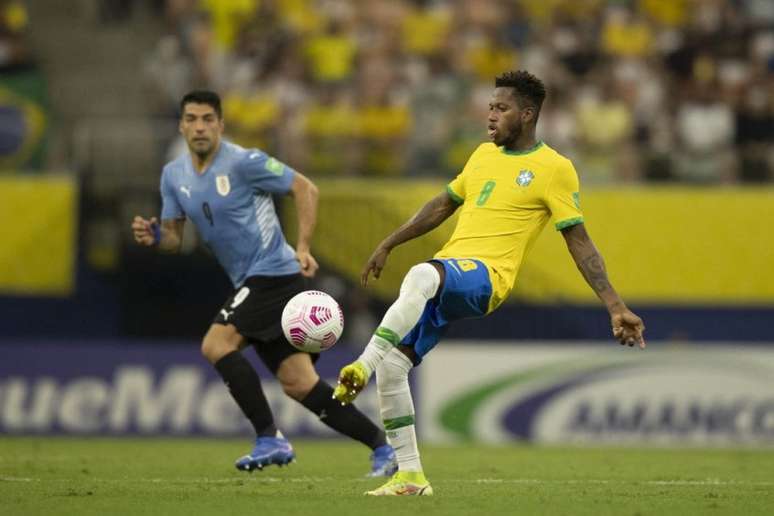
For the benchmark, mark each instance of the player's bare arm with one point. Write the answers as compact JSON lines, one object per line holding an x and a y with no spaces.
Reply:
{"x":627,"y":326}
{"x":429,"y":217}
{"x":305,"y":195}
{"x":170,"y":233}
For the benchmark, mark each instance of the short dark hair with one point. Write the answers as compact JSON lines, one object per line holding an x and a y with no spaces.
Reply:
{"x":528,"y":89}
{"x":202,"y":97}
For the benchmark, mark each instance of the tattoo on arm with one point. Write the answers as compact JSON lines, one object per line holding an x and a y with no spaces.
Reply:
{"x":590,"y":264}
{"x":593,"y":269}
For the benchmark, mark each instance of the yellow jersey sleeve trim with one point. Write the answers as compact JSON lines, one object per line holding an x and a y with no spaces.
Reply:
{"x":456,"y":198}
{"x":569,"y":222}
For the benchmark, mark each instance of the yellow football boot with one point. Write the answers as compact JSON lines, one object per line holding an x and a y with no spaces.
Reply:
{"x":352,"y":379}
{"x":404,"y":483}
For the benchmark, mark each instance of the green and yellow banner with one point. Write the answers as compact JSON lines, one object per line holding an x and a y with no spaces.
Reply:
{"x":25,"y":116}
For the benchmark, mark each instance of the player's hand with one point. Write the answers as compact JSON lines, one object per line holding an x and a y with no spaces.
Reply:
{"x":374,"y":265}
{"x":307,"y":262}
{"x":628,"y":328}
{"x":143,"y":230}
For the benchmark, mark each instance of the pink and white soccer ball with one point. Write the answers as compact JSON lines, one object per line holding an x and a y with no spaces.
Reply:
{"x":312,"y":321}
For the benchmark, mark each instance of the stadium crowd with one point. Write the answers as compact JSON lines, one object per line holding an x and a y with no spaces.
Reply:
{"x":14,"y":22}
{"x":638,"y":90}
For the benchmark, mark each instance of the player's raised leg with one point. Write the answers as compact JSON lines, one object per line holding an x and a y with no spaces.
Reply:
{"x":397,"y":410}
{"x":421,"y":284}
{"x":221,"y":347}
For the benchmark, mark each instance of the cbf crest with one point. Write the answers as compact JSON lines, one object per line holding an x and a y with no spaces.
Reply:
{"x":223,"y":185}
{"x":525,"y":177}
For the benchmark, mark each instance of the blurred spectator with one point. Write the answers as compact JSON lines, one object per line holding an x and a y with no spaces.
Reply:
{"x":626,"y":35}
{"x":331,"y":55}
{"x":118,"y":11}
{"x":468,"y":129}
{"x":558,"y":123}
{"x":384,"y":120}
{"x":426,"y":28}
{"x":436,"y":98}
{"x":330,"y":124}
{"x":228,"y":16}
{"x":169,"y":73}
{"x":13,"y":27}
{"x":755,"y":132}
{"x":705,"y":129}
{"x":605,"y":130}
{"x":671,"y":13}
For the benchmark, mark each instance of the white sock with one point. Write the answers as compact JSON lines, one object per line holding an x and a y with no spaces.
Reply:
{"x":397,"y":409}
{"x":420,"y":285}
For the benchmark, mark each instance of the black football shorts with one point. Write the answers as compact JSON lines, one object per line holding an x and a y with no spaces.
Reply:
{"x":255,"y":309}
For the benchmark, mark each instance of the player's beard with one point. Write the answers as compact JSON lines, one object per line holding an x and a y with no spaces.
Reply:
{"x":509,"y":138}
{"x":203,"y":155}
{"x":202,"y":152}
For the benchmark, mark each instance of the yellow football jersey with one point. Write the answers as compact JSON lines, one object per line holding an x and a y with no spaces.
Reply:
{"x":506,"y":198}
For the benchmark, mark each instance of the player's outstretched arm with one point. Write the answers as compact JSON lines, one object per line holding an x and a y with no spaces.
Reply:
{"x":429,"y":217}
{"x":305,"y":195}
{"x":168,"y":236}
{"x":627,"y":326}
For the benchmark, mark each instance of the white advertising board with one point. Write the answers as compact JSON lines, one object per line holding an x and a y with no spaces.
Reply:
{"x":598,"y":394}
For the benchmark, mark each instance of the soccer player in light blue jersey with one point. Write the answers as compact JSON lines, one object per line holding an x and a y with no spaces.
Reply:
{"x":226,"y":191}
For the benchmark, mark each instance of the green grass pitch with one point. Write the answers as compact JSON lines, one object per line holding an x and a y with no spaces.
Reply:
{"x":53,"y":476}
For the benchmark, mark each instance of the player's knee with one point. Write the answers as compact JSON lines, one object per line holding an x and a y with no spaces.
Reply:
{"x":393,"y":386}
{"x":392,"y":373}
{"x":422,"y":279}
{"x":215,"y":346}
{"x":297,"y":377}
{"x":297,"y":387}
{"x":213,"y":350}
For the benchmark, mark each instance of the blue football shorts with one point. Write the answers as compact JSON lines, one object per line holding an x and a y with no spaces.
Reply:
{"x":465,"y":294}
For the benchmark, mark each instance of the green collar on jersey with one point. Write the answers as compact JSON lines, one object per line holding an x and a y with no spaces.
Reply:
{"x":522,"y":152}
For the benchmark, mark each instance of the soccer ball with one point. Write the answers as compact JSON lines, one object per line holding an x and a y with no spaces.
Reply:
{"x":312,"y":321}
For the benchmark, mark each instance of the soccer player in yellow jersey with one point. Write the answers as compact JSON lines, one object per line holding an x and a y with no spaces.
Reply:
{"x":507,"y":192}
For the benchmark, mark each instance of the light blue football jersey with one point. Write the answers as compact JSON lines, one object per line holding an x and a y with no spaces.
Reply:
{"x":231,"y":206}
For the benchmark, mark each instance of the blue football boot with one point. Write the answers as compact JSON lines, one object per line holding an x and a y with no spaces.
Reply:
{"x":383,"y":462}
{"x":267,"y":451}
